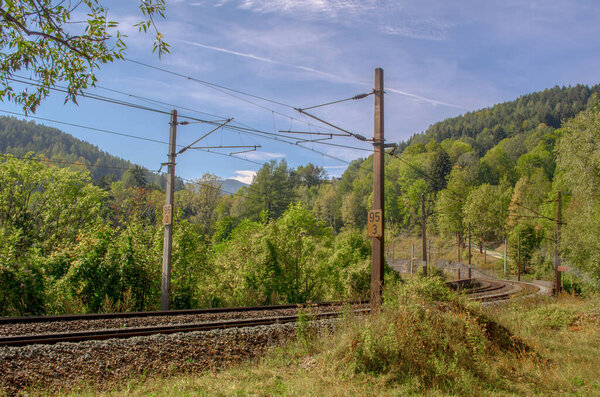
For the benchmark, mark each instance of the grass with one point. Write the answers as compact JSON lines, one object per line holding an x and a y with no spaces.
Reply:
{"x":425,"y":341}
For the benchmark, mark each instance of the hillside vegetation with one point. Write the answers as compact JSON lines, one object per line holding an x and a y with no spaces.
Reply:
{"x":294,"y":234}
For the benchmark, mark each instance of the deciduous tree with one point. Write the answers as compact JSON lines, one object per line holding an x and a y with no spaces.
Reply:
{"x":45,"y":39}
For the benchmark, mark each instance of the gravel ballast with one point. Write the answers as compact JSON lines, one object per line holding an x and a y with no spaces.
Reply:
{"x":16,"y":329}
{"x":104,"y":364}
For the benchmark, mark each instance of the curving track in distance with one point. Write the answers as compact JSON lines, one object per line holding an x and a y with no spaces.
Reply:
{"x":495,"y":290}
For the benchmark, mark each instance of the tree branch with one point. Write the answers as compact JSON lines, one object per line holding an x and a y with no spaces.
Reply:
{"x":58,"y":40}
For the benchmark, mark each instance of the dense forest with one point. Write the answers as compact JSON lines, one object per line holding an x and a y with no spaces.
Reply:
{"x":19,"y":137}
{"x":71,"y":244}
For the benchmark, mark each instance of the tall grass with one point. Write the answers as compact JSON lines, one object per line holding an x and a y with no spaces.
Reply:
{"x":426,"y":337}
{"x":426,"y":340}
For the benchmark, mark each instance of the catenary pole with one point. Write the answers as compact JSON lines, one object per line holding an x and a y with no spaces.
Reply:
{"x":557,"y":274}
{"x":412,"y":258}
{"x":424,"y":233}
{"x":429,"y":252}
{"x":377,"y":243}
{"x":519,"y":258}
{"x":458,"y":246}
{"x":469,"y":250}
{"x":165,"y":286}
{"x":505,"y":256}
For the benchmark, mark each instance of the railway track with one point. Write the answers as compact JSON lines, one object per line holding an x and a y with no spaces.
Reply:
{"x":23,"y":340}
{"x":157,"y":314}
{"x":494,"y":291}
{"x":22,"y":331}
{"x":31,"y":358}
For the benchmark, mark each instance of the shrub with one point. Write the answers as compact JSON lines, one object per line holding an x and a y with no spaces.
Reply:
{"x":424,"y":335}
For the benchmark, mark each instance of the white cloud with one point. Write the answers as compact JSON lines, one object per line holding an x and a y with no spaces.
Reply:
{"x":387,"y":16}
{"x":244,"y":176}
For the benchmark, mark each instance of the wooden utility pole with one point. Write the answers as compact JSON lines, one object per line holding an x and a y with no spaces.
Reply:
{"x":485,"y":254}
{"x":424,"y":232}
{"x":429,"y":251}
{"x":458,"y":246}
{"x":557,"y":274}
{"x":377,"y":243}
{"x":412,"y":258}
{"x":165,"y":286}
{"x":505,"y":257}
{"x":469,"y":250}
{"x":519,"y":258}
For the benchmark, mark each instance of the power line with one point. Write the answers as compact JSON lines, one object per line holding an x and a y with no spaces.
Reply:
{"x":119,"y":133}
{"x":329,"y":134}
{"x":170,"y":105}
{"x":87,"y":127}
{"x":227,"y":91}
{"x":209,"y":83}
{"x":247,"y":130}
{"x":46,"y":160}
{"x":355,"y":97}
{"x":337,"y":145}
{"x":143,"y":98}
{"x":535,"y":212}
{"x":112,"y":100}
{"x":352,"y":134}
{"x":423,"y":173}
{"x":202,"y":137}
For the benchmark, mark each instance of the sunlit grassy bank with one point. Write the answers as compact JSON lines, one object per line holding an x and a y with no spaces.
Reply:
{"x":425,"y":341}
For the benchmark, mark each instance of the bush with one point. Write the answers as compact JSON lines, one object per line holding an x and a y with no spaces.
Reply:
{"x":427,"y":336}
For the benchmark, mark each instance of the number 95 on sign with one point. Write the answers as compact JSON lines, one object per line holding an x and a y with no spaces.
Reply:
{"x":375,"y":224}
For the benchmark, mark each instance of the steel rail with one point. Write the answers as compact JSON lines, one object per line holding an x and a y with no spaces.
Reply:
{"x":23,"y":340}
{"x":103,"y":316}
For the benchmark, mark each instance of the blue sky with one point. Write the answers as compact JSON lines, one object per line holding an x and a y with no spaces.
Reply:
{"x":440,"y":59}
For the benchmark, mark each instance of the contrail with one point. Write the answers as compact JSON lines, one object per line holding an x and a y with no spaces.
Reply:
{"x":334,"y":77}
{"x":263,"y":59}
{"x":425,"y":99}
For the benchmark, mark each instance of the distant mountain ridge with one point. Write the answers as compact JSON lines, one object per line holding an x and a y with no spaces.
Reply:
{"x":230,"y":186}
{"x":18,"y":137}
{"x":484,"y":128}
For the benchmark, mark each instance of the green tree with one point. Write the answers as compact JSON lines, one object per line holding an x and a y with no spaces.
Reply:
{"x":309,"y":175}
{"x":528,"y":238}
{"x":190,"y":251}
{"x":135,"y":177}
{"x":39,"y":37}
{"x":108,"y":267}
{"x":43,"y":205}
{"x":199,"y":201}
{"x":284,"y":260}
{"x":327,"y":206}
{"x":578,"y":175}
{"x":449,"y":212}
{"x":440,"y":168}
{"x":486,"y":210}
{"x":271,"y":190}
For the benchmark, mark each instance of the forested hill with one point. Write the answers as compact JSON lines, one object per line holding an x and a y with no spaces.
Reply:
{"x":18,"y":137}
{"x":484,"y":128}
